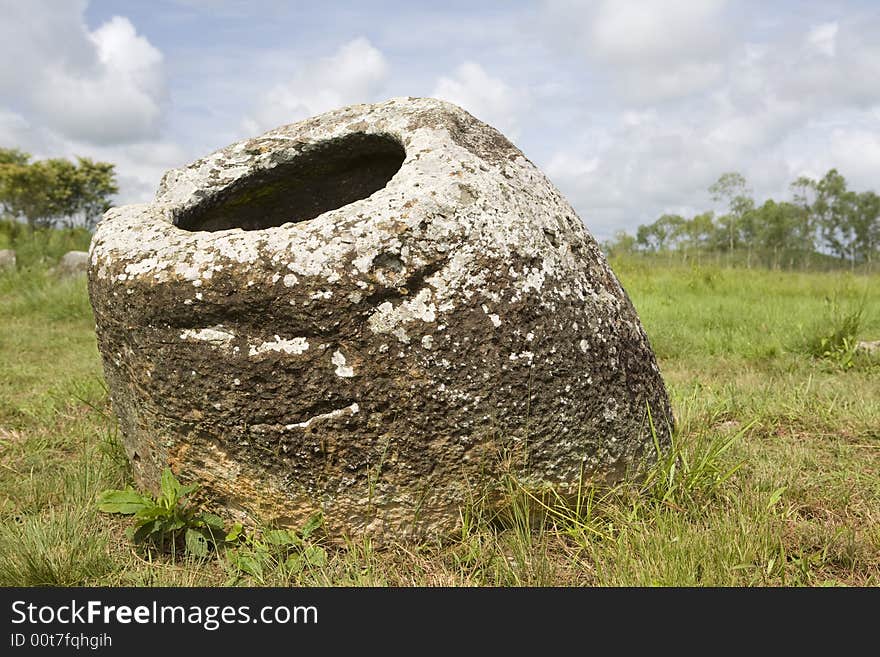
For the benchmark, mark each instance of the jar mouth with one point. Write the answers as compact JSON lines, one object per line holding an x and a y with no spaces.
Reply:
{"x":325,"y":176}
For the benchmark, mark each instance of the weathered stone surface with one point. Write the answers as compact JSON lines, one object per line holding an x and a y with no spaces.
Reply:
{"x":869,"y":347}
{"x":73,"y":263}
{"x":289,"y":330}
{"x":7,"y":259}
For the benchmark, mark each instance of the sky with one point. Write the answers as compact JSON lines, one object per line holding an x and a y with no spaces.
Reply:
{"x":633,"y":108}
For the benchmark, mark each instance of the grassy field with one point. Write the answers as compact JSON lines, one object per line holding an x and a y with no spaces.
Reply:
{"x":775,"y":479}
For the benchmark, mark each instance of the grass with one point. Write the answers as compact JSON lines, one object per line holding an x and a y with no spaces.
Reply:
{"x":774,"y":479}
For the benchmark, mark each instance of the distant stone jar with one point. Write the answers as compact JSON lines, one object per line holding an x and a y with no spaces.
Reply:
{"x":376,"y":313}
{"x":73,"y":263}
{"x":7,"y":259}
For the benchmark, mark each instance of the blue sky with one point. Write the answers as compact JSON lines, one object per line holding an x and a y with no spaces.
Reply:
{"x":632,"y":107}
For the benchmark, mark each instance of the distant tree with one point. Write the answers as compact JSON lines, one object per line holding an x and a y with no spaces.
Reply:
{"x":49,"y":191}
{"x":621,"y":243}
{"x":62,"y":190}
{"x":24,"y":190}
{"x":13,"y":156}
{"x":777,"y":225}
{"x":803,"y":198}
{"x":699,"y":230}
{"x":834,"y":210}
{"x":11,"y":159}
{"x":674,"y":225}
{"x":663,"y":234}
{"x":733,"y":189}
{"x":822,"y":215}
{"x":865,"y":221}
{"x":648,"y":239}
{"x":94,"y":184}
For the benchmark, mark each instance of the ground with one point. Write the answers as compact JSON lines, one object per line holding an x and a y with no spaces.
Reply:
{"x":775,"y":479}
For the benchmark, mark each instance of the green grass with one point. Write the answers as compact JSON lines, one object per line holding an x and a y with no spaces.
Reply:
{"x":39,"y":248}
{"x":774,"y":479}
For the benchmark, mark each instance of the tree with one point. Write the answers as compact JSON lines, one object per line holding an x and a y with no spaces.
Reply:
{"x":777,"y":225}
{"x":46,"y":192}
{"x":822,"y":214}
{"x":621,"y":243}
{"x":699,"y":230}
{"x":658,"y":235}
{"x":24,"y":190}
{"x":865,"y":221}
{"x":648,"y":239}
{"x":13,"y":156}
{"x":803,"y":197}
{"x":674,"y":225}
{"x":97,"y":185}
{"x":834,"y":211}
{"x":733,"y":189}
{"x":11,"y":161}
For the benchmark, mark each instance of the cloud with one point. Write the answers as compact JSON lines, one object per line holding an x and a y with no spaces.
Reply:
{"x":12,"y":128}
{"x":793,"y":83}
{"x":119,"y":100}
{"x":824,"y":38}
{"x":790,"y":99}
{"x":67,"y":90}
{"x":830,"y":66}
{"x":646,"y":32}
{"x":355,"y":73}
{"x":489,"y":99}
{"x":648,"y":51}
{"x":638,"y":166}
{"x":570,"y":167}
{"x":140,"y":166}
{"x":857,"y":151}
{"x":104,"y":86}
{"x":632,"y":107}
{"x":851,"y":146}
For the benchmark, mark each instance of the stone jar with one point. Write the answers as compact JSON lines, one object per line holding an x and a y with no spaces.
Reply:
{"x":377,"y":313}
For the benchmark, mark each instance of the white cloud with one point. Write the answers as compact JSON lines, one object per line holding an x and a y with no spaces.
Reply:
{"x":648,"y":51}
{"x":120,"y":100}
{"x":104,"y":86}
{"x":858,"y":152}
{"x":633,"y":118}
{"x":355,"y":73}
{"x":633,"y":107}
{"x":488,"y":98}
{"x":12,"y":127}
{"x":833,"y":67}
{"x":71,"y":91}
{"x":140,"y":166}
{"x":646,"y":32}
{"x":643,"y":165}
{"x":791,"y":100}
{"x":569,"y":167}
{"x":824,"y":38}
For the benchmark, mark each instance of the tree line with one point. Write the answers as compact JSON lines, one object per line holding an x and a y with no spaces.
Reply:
{"x":822,"y":221}
{"x":56,"y":191}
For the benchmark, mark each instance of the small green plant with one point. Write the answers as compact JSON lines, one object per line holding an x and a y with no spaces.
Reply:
{"x":834,"y":337}
{"x":687,"y":474}
{"x":704,"y":277}
{"x":288,"y":551}
{"x":169,"y":521}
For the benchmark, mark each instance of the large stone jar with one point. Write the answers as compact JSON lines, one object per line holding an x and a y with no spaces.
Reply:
{"x":376,"y":313}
